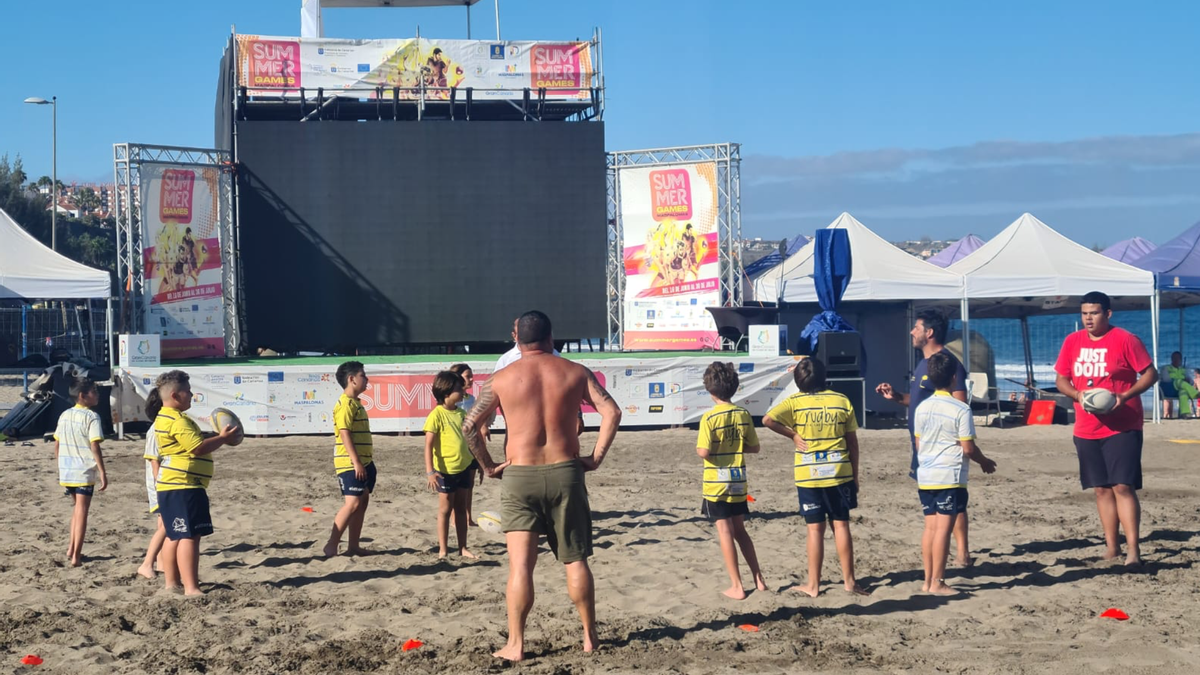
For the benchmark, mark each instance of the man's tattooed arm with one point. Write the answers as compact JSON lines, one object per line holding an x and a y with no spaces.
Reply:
{"x":478,"y":419}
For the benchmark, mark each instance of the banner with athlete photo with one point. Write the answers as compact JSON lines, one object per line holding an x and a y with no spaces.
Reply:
{"x":669,"y":221}
{"x":299,"y":399}
{"x":417,"y":66}
{"x":181,"y":257}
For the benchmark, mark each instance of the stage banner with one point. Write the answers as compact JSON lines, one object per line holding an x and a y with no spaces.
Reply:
{"x":669,"y":221}
{"x":300,"y":399}
{"x":181,"y":257}
{"x":495,"y":70}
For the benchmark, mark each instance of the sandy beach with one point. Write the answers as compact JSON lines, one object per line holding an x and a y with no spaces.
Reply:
{"x":1031,"y":604}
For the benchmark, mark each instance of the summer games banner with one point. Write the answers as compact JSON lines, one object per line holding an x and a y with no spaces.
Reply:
{"x":300,"y":399}
{"x":496,"y":70}
{"x":182,"y":260}
{"x":669,"y":219}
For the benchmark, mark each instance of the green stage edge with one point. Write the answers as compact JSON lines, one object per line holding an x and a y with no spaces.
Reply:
{"x":269,"y":361}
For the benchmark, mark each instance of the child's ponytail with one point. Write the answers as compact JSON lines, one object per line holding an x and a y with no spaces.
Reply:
{"x":154,"y":403}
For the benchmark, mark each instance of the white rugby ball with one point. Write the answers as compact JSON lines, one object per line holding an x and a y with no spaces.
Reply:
{"x":489,"y":522}
{"x":223,"y":417}
{"x":1098,"y":401}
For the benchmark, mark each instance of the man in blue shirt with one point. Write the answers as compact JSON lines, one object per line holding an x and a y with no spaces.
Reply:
{"x":929,"y":336}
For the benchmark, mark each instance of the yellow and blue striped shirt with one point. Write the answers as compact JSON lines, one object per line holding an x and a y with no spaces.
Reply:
{"x":725,"y":431}
{"x":178,"y":437}
{"x":822,"y":419}
{"x":350,"y":414}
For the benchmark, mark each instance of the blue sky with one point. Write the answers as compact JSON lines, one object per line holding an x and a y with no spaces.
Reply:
{"x":921,"y":118}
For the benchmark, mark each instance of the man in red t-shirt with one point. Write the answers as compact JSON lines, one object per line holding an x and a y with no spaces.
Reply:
{"x":1109,"y":445}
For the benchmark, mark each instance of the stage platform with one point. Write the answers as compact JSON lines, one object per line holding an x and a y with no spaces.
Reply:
{"x":278,"y":396}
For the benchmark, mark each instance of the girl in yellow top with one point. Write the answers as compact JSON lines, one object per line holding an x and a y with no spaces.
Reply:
{"x":449,"y":466}
{"x":184,"y":472}
{"x":726,"y":432}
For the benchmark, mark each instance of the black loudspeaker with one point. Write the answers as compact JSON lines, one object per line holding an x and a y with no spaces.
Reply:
{"x":841,"y":353}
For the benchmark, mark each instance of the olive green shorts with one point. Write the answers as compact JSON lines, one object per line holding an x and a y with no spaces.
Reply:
{"x":550,"y":499}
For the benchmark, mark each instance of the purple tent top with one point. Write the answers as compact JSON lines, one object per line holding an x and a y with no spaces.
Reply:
{"x":1176,"y":264}
{"x":1129,"y":250}
{"x":956,"y":251}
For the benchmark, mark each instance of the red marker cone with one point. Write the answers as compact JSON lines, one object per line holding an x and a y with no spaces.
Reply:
{"x":32,"y":660}
{"x":1114,"y":613}
{"x":750,"y":499}
{"x":306,"y":509}
{"x":412,"y":644}
{"x":749,"y":627}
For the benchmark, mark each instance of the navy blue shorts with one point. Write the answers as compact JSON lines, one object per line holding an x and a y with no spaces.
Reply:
{"x":723,"y":510}
{"x":85,"y":490}
{"x":449,"y":483}
{"x":828,"y":503}
{"x":185,"y":513}
{"x":948,"y":502}
{"x":1105,"y":462}
{"x":352,"y":486}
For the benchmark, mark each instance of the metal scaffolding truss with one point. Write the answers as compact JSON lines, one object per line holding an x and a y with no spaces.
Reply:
{"x":128,"y":159}
{"x":727,"y":157}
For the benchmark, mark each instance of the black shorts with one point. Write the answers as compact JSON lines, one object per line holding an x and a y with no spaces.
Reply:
{"x":448,"y":483}
{"x":828,"y":503}
{"x":723,"y":510}
{"x":947,"y":502}
{"x":185,"y":513}
{"x":353,"y":487}
{"x":85,"y":490}
{"x":1105,"y":462}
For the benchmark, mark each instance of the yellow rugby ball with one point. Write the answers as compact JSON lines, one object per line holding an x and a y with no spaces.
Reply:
{"x":489,"y":522}
{"x":223,"y":417}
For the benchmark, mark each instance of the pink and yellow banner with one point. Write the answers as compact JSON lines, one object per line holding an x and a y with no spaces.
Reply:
{"x":181,"y":256}
{"x":671,"y":245}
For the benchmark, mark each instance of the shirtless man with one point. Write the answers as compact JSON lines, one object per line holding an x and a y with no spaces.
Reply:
{"x":543,"y":490}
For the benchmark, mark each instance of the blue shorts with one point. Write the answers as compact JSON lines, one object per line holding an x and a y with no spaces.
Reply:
{"x":184,"y":513}
{"x":948,"y":502}
{"x":828,"y":503}
{"x":449,"y":483}
{"x":352,"y":486}
{"x":85,"y":490}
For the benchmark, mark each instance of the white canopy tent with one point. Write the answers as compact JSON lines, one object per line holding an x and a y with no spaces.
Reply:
{"x":1030,"y":268}
{"x":30,"y":269}
{"x":881,"y":272}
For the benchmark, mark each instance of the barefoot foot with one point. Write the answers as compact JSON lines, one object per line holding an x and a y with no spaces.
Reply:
{"x":760,"y":583}
{"x":734,"y":593}
{"x":590,"y":643}
{"x":145,"y":571}
{"x":467,"y":554}
{"x":510,"y":652}
{"x":358,"y":551}
{"x":330,"y":550}
{"x":940,"y":588}
{"x":855,"y":589}
{"x":811,"y":590}
{"x":1111,"y":553}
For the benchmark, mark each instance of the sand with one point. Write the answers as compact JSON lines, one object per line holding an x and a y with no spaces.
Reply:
{"x":1031,"y":603}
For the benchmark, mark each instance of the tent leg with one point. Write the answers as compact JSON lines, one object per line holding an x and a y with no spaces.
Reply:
{"x":1028,"y":352}
{"x":964,"y":310}
{"x":1154,"y":304}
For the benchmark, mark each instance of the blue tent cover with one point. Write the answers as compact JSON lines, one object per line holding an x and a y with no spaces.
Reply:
{"x":1176,"y":264}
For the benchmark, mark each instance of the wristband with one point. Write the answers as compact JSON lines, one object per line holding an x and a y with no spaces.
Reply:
{"x":430,"y":473}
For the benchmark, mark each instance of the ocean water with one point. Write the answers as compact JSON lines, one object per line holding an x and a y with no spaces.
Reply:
{"x":1046,"y":334}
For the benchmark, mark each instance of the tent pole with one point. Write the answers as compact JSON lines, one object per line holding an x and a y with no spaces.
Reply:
{"x":1028,"y":352}
{"x":964,"y":310}
{"x":1181,"y":329}
{"x":1154,"y":303}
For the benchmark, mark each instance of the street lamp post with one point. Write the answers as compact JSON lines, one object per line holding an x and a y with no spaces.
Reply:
{"x":53,"y":103}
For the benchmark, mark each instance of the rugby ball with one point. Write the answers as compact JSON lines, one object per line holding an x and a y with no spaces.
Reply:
{"x":223,"y":417}
{"x":489,"y":522}
{"x":1098,"y":401}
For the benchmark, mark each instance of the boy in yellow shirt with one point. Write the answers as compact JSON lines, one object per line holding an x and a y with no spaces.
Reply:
{"x":822,"y":425}
{"x":353,"y":459}
{"x":726,"y":432}
{"x":80,"y":462}
{"x":449,"y":467}
{"x":184,"y":472}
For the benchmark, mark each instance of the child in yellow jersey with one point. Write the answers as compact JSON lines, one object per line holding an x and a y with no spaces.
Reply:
{"x":152,"y":456}
{"x":353,"y":459}
{"x":821,"y":423}
{"x":449,"y":466}
{"x":726,"y":432}
{"x":945,"y":433}
{"x":184,"y":472}
{"x":80,"y":462}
